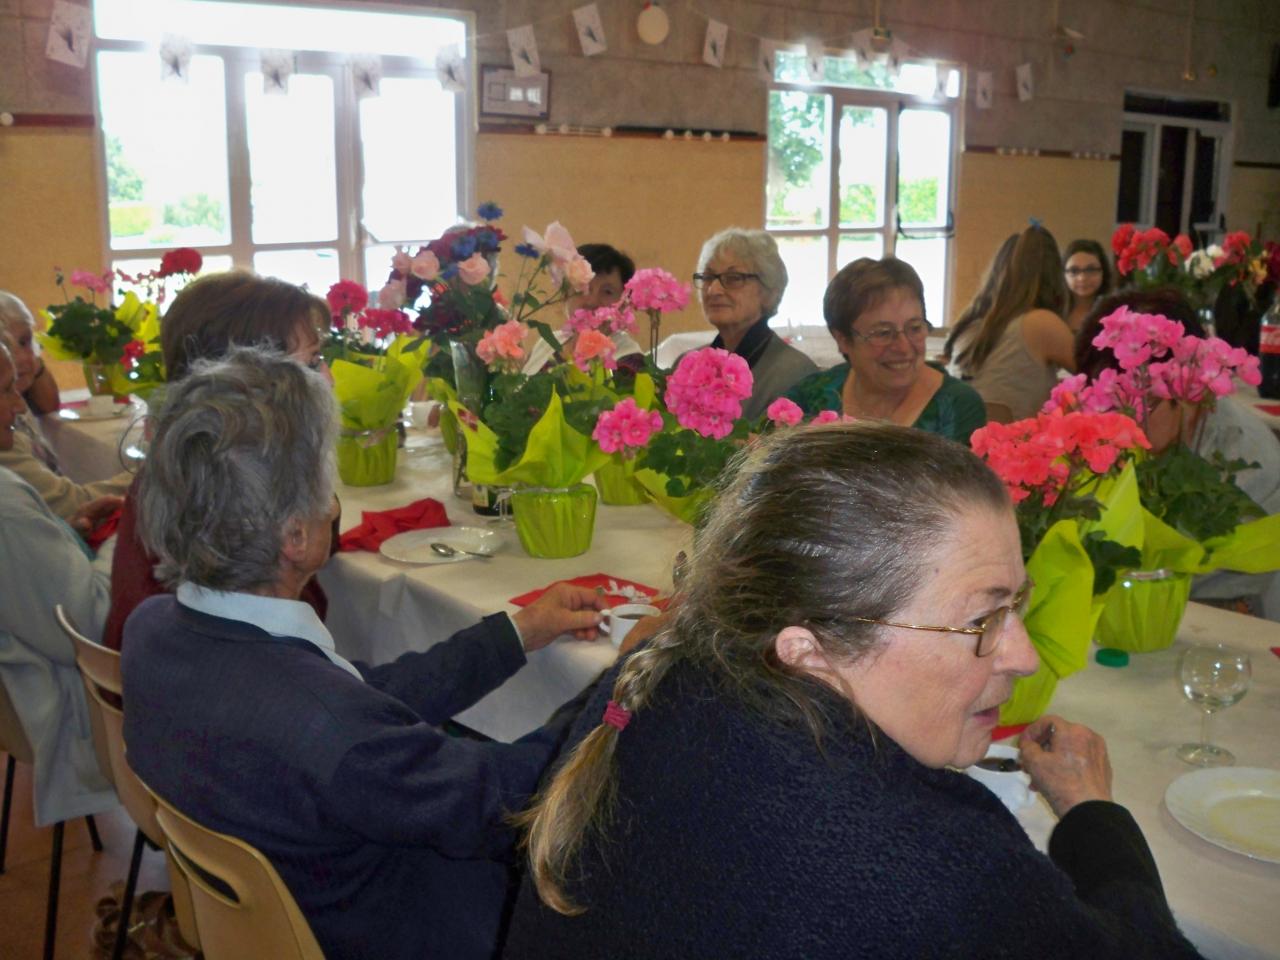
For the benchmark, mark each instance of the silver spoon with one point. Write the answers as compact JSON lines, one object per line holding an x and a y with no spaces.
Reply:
{"x":999,"y":764}
{"x":447,"y":551}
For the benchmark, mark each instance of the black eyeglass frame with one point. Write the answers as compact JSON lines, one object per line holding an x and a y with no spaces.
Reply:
{"x":704,"y":280}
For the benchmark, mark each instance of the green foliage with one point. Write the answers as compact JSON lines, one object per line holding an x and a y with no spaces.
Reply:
{"x":196,"y":210}
{"x":796,"y":135}
{"x":918,"y":201}
{"x":689,"y":460}
{"x":130,"y":219}
{"x":124,"y":182}
{"x":858,"y":204}
{"x":88,"y":330}
{"x":1109,"y":559}
{"x":1197,"y":497}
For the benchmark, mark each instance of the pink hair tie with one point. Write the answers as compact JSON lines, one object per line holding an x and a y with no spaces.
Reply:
{"x":616,"y":716}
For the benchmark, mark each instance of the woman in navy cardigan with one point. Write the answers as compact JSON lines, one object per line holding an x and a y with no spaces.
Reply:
{"x":769,"y":776}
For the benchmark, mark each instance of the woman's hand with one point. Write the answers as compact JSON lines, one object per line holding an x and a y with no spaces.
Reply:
{"x":1067,"y":762}
{"x":94,"y":512}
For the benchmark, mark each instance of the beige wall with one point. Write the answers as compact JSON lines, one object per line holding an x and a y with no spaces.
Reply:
{"x":1254,"y":201}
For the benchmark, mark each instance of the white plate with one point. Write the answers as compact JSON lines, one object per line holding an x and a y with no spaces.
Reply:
{"x":1237,"y":808}
{"x":84,"y":416}
{"x":414,"y":546}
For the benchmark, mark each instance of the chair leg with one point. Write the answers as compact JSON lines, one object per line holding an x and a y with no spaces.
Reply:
{"x":93,"y":833}
{"x":55,"y":877}
{"x":126,"y":902}
{"x":4,"y":813}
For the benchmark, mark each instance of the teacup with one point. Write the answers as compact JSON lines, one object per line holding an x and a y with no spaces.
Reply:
{"x":622,"y":618}
{"x":421,"y":413}
{"x":1013,"y":788}
{"x":101,"y":405}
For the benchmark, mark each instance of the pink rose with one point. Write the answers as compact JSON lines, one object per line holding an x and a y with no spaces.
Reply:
{"x":391,"y":296}
{"x":425,"y":266}
{"x":503,"y":347}
{"x":473,"y":269}
{"x":400,"y":262}
{"x":579,"y":273}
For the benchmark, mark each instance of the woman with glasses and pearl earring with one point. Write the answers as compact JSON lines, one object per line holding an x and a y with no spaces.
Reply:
{"x":740,"y":280}
{"x":875,"y":311}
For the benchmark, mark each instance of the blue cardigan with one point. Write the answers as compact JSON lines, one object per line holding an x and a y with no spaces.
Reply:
{"x":735,"y":836}
{"x":389,"y":834}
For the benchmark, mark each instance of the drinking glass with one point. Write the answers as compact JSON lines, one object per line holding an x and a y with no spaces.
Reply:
{"x":1213,"y":677}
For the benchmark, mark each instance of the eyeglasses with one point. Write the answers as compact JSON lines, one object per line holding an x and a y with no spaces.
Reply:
{"x":730,"y":281}
{"x":1081,"y":271}
{"x":915,"y":331}
{"x":989,"y":628}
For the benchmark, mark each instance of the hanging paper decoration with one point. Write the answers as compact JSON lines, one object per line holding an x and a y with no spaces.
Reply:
{"x":175,"y":59}
{"x":590,"y":30}
{"x":767,"y":60}
{"x":713,"y":44}
{"x":277,"y":68}
{"x":653,"y":25}
{"x":940,"y":74}
{"x":70,"y":26}
{"x":1025,"y":88}
{"x":982,"y":93}
{"x":524,"y":51}
{"x":862,"y":50}
{"x":451,"y":69}
{"x":898,"y":51}
{"x":815,"y":60}
{"x":366,"y":73}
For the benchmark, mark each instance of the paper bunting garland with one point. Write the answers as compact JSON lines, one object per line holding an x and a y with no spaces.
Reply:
{"x":815,"y":60}
{"x":277,"y":68}
{"x":713,"y":45}
{"x":1025,"y":89}
{"x":590,"y":30}
{"x":982,"y":90}
{"x":766,"y":60}
{"x":524,"y":51}
{"x":366,"y":73}
{"x":175,"y":59}
{"x":70,"y":26}
{"x":451,"y":69}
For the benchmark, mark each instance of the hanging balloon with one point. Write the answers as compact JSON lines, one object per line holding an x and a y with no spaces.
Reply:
{"x":653,"y":24}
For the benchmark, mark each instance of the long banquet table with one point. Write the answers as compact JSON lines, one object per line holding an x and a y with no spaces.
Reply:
{"x":1227,"y":903}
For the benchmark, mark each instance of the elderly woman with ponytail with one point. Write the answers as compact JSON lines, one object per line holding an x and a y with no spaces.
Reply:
{"x":768,"y":776}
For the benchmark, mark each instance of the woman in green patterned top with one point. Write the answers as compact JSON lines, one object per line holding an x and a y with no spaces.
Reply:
{"x":875,"y":311}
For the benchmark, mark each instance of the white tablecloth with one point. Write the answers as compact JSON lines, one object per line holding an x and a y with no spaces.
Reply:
{"x":95,"y":449}
{"x":1228,"y":904}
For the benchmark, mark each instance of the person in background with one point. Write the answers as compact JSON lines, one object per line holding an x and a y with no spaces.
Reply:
{"x":1229,"y":428}
{"x":770,"y":776}
{"x":612,"y":269}
{"x":43,"y":563}
{"x":981,"y":302}
{"x":1088,"y":273}
{"x":30,"y":455}
{"x":205,"y":320}
{"x":1013,"y":354}
{"x":741,"y":279}
{"x":390,"y":834}
{"x":875,"y":311}
{"x":42,"y":395}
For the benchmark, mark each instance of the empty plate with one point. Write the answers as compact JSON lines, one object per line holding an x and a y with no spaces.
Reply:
{"x":414,"y":546}
{"x":1237,"y":808}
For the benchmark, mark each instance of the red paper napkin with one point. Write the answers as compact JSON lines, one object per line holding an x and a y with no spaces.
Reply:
{"x":377,"y":525}
{"x":1271,"y":408}
{"x":1276,"y":651}
{"x":98,"y":535}
{"x":591,"y":581}
{"x":1000,"y":733}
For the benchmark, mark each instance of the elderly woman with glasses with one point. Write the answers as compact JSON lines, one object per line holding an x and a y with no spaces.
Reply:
{"x":769,"y":775}
{"x":391,"y":835}
{"x":875,"y":311}
{"x":741,"y":279}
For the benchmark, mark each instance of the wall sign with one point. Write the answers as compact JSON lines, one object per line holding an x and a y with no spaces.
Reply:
{"x":504,"y":94}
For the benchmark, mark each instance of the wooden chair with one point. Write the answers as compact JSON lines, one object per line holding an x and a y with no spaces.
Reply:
{"x":100,"y":671}
{"x":14,"y":742}
{"x":242,"y":907}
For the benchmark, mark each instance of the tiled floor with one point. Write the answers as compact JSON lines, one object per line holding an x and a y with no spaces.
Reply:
{"x":86,"y":876}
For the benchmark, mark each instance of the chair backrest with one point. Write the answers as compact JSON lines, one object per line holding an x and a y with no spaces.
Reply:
{"x":242,"y":907}
{"x":13,"y":738}
{"x":100,"y":671}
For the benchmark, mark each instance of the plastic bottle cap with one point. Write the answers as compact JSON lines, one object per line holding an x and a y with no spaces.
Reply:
{"x":1111,"y":657}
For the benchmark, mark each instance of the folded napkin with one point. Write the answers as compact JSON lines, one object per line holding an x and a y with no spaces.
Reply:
{"x":616,"y":590}
{"x":99,"y":534}
{"x":1276,"y":651}
{"x":377,"y":525}
{"x":1271,"y":408}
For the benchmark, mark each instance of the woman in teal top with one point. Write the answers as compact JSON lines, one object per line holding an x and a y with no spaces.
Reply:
{"x":875,"y":311}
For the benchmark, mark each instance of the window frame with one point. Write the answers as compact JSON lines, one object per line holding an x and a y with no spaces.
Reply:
{"x":1151,"y":125}
{"x":352,"y":237}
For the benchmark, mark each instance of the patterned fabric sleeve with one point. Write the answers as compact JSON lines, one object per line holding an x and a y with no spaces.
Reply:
{"x":820,"y":391}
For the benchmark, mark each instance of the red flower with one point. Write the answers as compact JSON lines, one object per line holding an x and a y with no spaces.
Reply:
{"x":132,"y":353}
{"x":347,"y":296}
{"x":385,"y":322}
{"x":1180,"y":249}
{"x":1235,"y":246}
{"x":1120,"y":239}
{"x":182,"y":260}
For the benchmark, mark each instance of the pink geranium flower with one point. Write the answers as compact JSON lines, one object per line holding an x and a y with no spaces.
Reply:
{"x":594,"y":345}
{"x":91,"y":281}
{"x":626,"y":428}
{"x":655,"y":289}
{"x":347,"y":296}
{"x":385,"y":323}
{"x":503,"y":346}
{"x":784,"y":411}
{"x":706,"y":390}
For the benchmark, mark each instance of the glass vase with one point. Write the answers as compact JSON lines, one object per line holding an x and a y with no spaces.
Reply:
{"x":618,"y":487}
{"x":1143,"y":610}
{"x":470,"y":375}
{"x":105,"y":379}
{"x":555,"y":522}
{"x":367,"y":458}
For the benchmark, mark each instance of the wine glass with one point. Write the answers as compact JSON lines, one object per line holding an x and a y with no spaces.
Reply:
{"x":1213,"y":677}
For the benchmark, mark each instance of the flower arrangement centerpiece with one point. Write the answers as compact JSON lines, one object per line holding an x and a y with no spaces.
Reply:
{"x":1071,"y":478}
{"x":376,"y":359}
{"x":1194,"y":518}
{"x":656,"y":292}
{"x":117,"y":343}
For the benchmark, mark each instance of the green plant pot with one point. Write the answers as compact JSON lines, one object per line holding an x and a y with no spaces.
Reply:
{"x":555,"y":523}
{"x":618,"y":487}
{"x":367,"y":458}
{"x":1031,"y":696}
{"x":688,"y":509}
{"x":1143,"y":610}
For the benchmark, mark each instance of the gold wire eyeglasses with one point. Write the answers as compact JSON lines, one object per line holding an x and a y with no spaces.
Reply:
{"x":989,"y":628}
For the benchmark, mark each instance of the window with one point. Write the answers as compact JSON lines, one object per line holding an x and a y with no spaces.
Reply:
{"x":1172,"y":155}
{"x":308,"y":183}
{"x":863,"y":166}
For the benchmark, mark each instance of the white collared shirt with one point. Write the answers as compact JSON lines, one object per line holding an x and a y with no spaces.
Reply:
{"x":275,"y":615}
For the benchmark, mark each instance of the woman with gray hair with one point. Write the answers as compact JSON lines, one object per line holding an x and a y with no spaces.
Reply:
{"x":768,"y":776}
{"x":741,"y":279}
{"x":41,"y":394}
{"x":390,"y":835}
